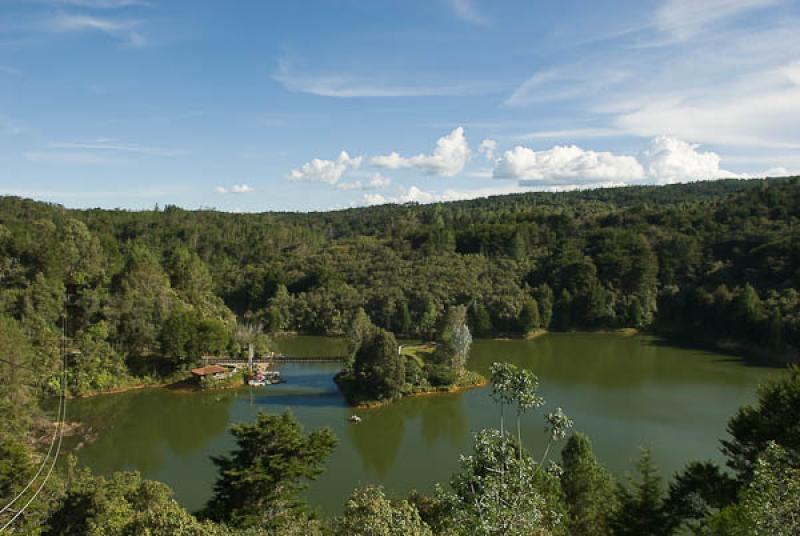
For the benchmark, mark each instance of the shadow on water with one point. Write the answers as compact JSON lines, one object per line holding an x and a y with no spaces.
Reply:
{"x":621,"y":391}
{"x":300,"y":399}
{"x":728,"y":355}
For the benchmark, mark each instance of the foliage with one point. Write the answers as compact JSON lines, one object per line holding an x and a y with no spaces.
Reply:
{"x":641,"y":511}
{"x":770,"y":503}
{"x":773,"y":418}
{"x":697,"y":492}
{"x":369,"y":513}
{"x":588,"y":489}
{"x":379,"y":369}
{"x":121,"y":505}
{"x":260,"y":482}
{"x":501,"y":490}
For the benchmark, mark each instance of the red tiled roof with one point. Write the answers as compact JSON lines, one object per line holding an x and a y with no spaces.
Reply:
{"x":211,"y":369}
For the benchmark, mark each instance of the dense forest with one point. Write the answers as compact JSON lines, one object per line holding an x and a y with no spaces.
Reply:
{"x":146,"y":293}
{"x":135,"y":297}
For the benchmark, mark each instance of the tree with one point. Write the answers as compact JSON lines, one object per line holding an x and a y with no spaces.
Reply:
{"x":544,"y":297}
{"x":260,"y":482}
{"x":773,"y":418}
{"x":379,"y":369}
{"x":122,"y":505}
{"x":501,"y":490}
{"x":369,"y":513}
{"x":529,"y":316}
{"x":481,"y":322}
{"x":770,"y":503}
{"x":454,"y":338}
{"x":696,"y":492}
{"x":588,"y":489}
{"x":641,"y":511}
{"x":359,"y":330}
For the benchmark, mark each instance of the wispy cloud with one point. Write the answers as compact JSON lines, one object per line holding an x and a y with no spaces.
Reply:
{"x":121,"y":29}
{"x":683,"y":19}
{"x":103,"y":4}
{"x":235,"y":189}
{"x":82,"y":158}
{"x":348,"y":86}
{"x":5,"y":69}
{"x":97,"y":152}
{"x":109,"y":145}
{"x":571,"y":133}
{"x":377,"y":182}
{"x":466,"y":11}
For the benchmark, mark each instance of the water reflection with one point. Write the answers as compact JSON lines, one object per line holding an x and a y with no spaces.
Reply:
{"x":622,"y":391}
{"x":138,"y":429}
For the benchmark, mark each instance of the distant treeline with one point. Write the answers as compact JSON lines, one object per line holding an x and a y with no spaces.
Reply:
{"x":718,"y":259}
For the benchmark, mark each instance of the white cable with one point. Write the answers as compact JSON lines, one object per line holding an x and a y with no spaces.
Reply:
{"x":60,"y":423}
{"x":44,"y":461}
{"x":46,"y":478}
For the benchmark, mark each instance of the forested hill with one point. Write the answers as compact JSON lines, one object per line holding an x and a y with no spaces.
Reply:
{"x":717,"y":259}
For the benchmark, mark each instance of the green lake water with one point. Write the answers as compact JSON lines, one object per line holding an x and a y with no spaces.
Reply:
{"x":624,"y":392}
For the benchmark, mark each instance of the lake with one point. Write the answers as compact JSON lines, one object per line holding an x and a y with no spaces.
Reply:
{"x":623,"y":391}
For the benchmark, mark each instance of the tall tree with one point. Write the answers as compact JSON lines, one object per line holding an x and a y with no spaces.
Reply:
{"x":641,"y":511}
{"x":588,"y":489}
{"x":260,"y":482}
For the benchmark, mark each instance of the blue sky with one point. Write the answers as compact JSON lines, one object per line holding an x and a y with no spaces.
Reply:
{"x":315,"y":105}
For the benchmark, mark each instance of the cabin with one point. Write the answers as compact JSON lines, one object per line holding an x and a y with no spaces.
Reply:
{"x":213,"y":371}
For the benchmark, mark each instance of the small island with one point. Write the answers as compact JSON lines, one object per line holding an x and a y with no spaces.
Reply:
{"x":378,"y":370}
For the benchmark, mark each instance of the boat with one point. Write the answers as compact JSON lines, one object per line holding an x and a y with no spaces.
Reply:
{"x":354,"y":419}
{"x":269,"y":377}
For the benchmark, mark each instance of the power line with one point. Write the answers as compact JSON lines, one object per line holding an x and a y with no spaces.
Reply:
{"x":60,"y":423}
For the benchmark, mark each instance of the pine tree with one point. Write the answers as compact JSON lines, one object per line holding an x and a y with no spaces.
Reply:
{"x":588,"y":489}
{"x":641,"y":511}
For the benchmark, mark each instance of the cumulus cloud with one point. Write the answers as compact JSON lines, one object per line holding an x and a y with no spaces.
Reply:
{"x":376,"y":182}
{"x":487,"y":148}
{"x":327,"y":171}
{"x":448,"y":158}
{"x":669,"y":160}
{"x":414,"y":194}
{"x":235,"y":189}
{"x":666,"y":160}
{"x":565,"y":165}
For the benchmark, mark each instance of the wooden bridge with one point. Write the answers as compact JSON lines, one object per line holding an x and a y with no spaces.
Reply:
{"x":278,"y":358}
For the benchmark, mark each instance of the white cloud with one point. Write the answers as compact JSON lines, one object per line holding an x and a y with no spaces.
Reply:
{"x":350,"y":86}
{"x":683,"y":19}
{"x":466,"y":11}
{"x":415,"y":194}
{"x":103,"y":4}
{"x":572,"y":133}
{"x":103,"y":144}
{"x":448,"y":158}
{"x":376,"y":182}
{"x":375,"y":199}
{"x":669,"y":160}
{"x":565,"y":165}
{"x":763,"y":116}
{"x":124,"y":30}
{"x":487,"y":148}
{"x":666,"y":160}
{"x":327,"y":171}
{"x":68,"y":157}
{"x":235,"y":189}
{"x":567,"y":83}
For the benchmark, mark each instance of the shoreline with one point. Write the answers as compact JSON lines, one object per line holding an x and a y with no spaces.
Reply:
{"x":374,"y":404}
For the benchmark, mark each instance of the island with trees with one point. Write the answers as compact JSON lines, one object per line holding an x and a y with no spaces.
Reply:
{"x":379,"y":370}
